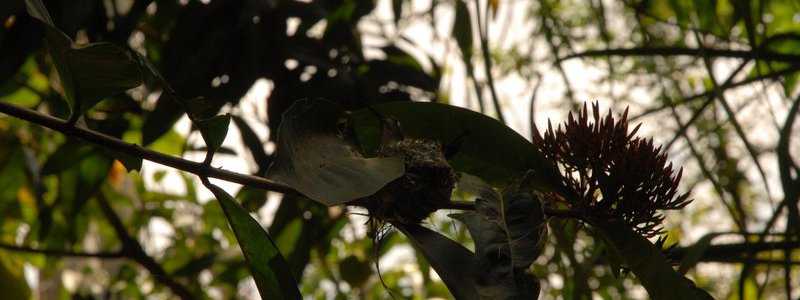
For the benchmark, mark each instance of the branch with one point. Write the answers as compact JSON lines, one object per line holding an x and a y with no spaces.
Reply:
{"x":668,"y":51}
{"x":144,"y":153}
{"x":118,"y":254}
{"x":133,"y":250}
{"x":736,"y":252}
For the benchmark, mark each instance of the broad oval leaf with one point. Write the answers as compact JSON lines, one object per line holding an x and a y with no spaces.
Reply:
{"x":99,"y":70}
{"x":487,"y":147}
{"x":317,"y":159}
{"x":509,"y":233}
{"x":452,"y":262}
{"x":270,"y":270}
{"x":88,"y":73}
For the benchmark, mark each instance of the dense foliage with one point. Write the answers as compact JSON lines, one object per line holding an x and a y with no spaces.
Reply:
{"x":91,"y":89}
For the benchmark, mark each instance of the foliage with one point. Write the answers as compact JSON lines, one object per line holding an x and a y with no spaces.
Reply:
{"x":93,"y":88}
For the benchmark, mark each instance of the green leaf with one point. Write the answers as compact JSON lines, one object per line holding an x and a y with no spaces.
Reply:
{"x":214,"y":131}
{"x":321,"y":162}
{"x":270,"y":270}
{"x":451,"y":260}
{"x":509,"y":233}
{"x":88,"y":73}
{"x":488,"y":148}
{"x":646,"y":262}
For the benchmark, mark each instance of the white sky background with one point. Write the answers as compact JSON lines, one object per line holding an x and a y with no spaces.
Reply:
{"x":515,"y":95}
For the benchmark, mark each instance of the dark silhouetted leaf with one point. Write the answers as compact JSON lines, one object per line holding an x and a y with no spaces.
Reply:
{"x":462,"y":29}
{"x":131,"y":163}
{"x":509,"y":233}
{"x":315,"y":157}
{"x":270,"y":270}
{"x":451,"y":260}
{"x":488,"y":148}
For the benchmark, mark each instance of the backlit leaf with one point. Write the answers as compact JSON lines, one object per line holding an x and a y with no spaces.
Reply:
{"x":316,"y":158}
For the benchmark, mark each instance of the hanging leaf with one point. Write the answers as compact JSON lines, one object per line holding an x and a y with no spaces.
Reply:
{"x":270,"y":270}
{"x":88,"y":73}
{"x":316,"y":158}
{"x":487,"y":148}
{"x":462,"y":29}
{"x":452,"y":262}
{"x":509,"y":232}
{"x":131,"y":163}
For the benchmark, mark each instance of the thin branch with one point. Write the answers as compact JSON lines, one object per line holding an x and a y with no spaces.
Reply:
{"x":704,"y":95}
{"x":133,"y":250}
{"x":137,"y":151}
{"x":733,"y":252}
{"x":696,"y":52}
{"x":118,"y":254}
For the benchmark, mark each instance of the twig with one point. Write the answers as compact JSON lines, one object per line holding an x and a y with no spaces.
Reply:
{"x":695,"y":52}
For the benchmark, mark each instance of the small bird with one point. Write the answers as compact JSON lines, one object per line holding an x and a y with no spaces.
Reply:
{"x":391,"y":131}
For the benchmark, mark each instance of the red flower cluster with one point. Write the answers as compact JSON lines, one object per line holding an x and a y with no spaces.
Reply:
{"x":613,"y":173}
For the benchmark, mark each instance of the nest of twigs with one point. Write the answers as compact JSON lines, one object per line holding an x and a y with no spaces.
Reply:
{"x":424,"y":189}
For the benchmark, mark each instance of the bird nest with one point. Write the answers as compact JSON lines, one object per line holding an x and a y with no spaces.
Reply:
{"x":425,"y":187}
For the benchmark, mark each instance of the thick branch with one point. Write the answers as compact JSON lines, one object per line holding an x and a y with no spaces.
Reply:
{"x":136,"y":151}
{"x":63,"y":253}
{"x":698,"y":52}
